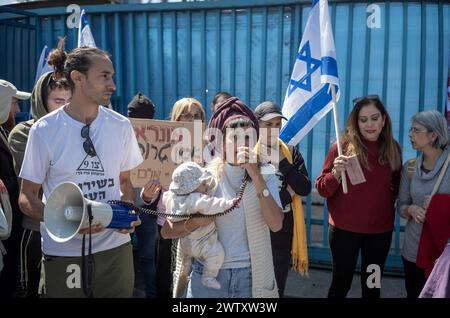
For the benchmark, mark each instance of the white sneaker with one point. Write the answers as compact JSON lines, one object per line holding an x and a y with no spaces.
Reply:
{"x":210,"y":282}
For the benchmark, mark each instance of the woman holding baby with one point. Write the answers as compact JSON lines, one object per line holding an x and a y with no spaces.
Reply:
{"x":247,"y":269}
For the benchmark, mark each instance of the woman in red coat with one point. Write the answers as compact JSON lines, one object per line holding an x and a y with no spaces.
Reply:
{"x":363,"y":219}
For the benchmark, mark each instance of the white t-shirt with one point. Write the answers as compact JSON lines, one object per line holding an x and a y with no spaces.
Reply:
{"x":231,"y":228}
{"x":55,"y":154}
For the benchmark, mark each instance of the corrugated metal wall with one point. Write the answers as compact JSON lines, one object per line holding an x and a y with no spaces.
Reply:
{"x":18,"y":47}
{"x":247,"y":47}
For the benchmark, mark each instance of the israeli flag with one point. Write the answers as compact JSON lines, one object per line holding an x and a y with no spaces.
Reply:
{"x":85,"y":37}
{"x":308,"y":97}
{"x":42,"y":66}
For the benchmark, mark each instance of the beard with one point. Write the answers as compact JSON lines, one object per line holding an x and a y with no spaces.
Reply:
{"x":10,"y":123}
{"x":104,"y":101}
{"x":97,"y":95}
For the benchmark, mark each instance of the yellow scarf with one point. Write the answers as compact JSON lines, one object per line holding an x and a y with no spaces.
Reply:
{"x":299,"y":249}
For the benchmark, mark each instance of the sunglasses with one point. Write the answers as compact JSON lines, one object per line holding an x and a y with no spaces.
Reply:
{"x":417,"y":131}
{"x":88,"y":146}
{"x":368,"y":97}
{"x":189,"y":116}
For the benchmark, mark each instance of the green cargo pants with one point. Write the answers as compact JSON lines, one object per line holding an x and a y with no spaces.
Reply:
{"x":113,"y":275}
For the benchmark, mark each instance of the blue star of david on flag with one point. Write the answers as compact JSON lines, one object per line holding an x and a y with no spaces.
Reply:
{"x":308,"y":95}
{"x":312,"y":65}
{"x":85,"y":37}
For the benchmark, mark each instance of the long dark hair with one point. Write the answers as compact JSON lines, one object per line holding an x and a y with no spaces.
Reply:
{"x":353,"y":140}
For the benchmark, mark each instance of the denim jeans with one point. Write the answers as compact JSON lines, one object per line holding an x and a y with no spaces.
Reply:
{"x":235,"y":283}
{"x":146,"y":235}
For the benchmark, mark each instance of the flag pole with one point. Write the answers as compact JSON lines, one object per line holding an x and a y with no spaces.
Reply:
{"x":338,"y":137}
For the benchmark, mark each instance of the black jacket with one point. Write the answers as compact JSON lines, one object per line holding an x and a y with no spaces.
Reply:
{"x":8,"y":176}
{"x":294,"y":175}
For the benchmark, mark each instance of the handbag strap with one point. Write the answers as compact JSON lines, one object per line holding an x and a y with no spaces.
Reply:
{"x":441,"y":175}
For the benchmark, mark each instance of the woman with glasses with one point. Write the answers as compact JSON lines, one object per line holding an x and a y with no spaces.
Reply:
{"x":186,"y":110}
{"x":362,"y":219}
{"x":428,"y":135}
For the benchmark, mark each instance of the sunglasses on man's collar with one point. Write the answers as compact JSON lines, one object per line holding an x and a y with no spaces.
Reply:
{"x":88,"y":146}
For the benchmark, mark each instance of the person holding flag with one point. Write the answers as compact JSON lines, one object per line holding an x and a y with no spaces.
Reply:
{"x":363,"y":219}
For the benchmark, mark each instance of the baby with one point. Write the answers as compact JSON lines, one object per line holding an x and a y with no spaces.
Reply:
{"x":189,"y":193}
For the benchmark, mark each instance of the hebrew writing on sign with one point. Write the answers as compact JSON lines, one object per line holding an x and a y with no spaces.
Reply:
{"x":164,"y":145}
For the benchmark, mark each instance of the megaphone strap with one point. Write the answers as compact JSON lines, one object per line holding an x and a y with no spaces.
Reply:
{"x":140,"y":210}
{"x":87,"y":263}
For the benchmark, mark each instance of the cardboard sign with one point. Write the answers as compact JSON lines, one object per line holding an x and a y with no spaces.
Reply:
{"x":164,"y":145}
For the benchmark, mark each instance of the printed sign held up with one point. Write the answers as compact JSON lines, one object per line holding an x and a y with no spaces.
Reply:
{"x":354,"y":171}
{"x":164,"y":145}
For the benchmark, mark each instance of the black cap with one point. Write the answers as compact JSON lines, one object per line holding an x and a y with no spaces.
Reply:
{"x":268,"y":110}
{"x":141,"y":107}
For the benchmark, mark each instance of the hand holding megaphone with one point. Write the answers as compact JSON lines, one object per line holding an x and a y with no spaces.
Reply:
{"x":130,"y":230}
{"x":67,"y":213}
{"x":97,"y":228}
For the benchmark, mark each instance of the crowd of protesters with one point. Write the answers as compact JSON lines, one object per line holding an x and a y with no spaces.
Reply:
{"x":260,"y":239}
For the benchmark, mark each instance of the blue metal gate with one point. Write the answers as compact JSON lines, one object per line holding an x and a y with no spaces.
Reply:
{"x":248,"y":47}
{"x":18,"y":30}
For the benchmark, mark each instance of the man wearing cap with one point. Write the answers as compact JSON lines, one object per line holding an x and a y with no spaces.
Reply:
{"x":294,"y":183}
{"x":9,"y":96}
{"x":11,"y":121}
